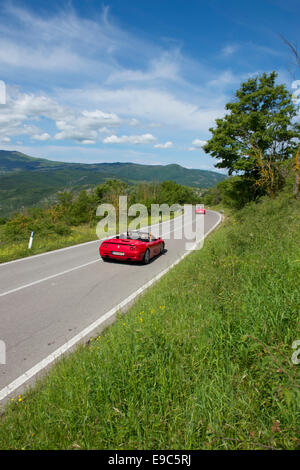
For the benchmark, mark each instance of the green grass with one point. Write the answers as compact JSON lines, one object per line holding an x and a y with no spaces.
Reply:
{"x":202,"y":361}
{"x":14,"y":250}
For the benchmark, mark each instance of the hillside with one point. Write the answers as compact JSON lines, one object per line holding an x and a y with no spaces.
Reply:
{"x":27,"y":181}
{"x":201,"y":361}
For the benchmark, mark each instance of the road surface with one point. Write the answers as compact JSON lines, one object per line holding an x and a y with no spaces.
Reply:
{"x":49,"y":302}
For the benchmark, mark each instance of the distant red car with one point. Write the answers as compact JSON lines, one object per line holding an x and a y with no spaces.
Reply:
{"x":200,"y":210}
{"x":133,"y":246}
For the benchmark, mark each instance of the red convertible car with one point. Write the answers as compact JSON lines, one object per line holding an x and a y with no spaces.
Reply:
{"x":200,"y":210}
{"x":133,"y":246}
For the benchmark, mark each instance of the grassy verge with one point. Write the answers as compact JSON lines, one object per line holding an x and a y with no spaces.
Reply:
{"x":10,"y":251}
{"x":202,"y":361}
{"x":15,"y":250}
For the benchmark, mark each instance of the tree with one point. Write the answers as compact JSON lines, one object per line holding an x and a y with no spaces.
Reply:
{"x":296,"y":55}
{"x":257,"y":134}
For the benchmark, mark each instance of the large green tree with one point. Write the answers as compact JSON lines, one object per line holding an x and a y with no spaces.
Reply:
{"x":257,"y":133}
{"x":296,"y":64}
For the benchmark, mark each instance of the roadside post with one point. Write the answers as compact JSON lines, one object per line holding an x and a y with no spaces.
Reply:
{"x":30,"y":241}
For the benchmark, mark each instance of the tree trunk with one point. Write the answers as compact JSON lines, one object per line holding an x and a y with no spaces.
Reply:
{"x":297,"y":170}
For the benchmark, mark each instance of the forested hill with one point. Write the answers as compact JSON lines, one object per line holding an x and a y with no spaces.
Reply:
{"x":12,"y":162}
{"x":25,"y":181}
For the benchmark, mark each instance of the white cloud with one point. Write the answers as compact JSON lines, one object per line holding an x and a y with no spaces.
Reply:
{"x":157,"y":85}
{"x":81,"y":126}
{"x":166,"y":145}
{"x":31,"y":105}
{"x":230,"y":49}
{"x":4,"y":140}
{"x":41,"y":137}
{"x":98,"y":77}
{"x":165,"y":67}
{"x":66,"y":44}
{"x":134,"y":122}
{"x":88,"y":141}
{"x":16,"y":115}
{"x":85,"y":126}
{"x":132,"y":139}
{"x":151,"y":104}
{"x":223,"y":80}
{"x":199,"y":143}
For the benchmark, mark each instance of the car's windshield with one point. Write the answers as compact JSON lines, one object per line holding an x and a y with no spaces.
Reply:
{"x":142,"y":236}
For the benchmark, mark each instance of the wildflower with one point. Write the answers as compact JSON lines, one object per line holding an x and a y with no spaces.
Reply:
{"x":141,"y":320}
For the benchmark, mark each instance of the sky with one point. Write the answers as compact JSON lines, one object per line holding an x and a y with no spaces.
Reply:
{"x":137,"y":80}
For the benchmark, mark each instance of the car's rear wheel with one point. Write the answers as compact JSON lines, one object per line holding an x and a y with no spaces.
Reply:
{"x":146,"y":258}
{"x":162,"y":248}
{"x":104,"y":258}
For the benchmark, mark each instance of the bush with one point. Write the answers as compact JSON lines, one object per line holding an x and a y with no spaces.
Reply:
{"x":62,"y":229}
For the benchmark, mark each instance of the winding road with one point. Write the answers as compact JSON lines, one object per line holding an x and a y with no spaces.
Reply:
{"x":51,"y":302}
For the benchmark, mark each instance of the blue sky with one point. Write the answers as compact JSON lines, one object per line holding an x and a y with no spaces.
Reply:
{"x":136,"y":80}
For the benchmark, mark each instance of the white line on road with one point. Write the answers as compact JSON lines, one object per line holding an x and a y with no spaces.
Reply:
{"x":49,"y":277}
{"x":87,"y":331}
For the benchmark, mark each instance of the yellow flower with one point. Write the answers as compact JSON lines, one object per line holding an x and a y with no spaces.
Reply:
{"x":141,"y":320}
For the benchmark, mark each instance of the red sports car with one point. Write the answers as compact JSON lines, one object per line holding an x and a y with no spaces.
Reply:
{"x":200,"y":210}
{"x":134,"y":246}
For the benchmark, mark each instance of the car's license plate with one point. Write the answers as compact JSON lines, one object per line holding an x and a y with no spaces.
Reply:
{"x":118,"y":253}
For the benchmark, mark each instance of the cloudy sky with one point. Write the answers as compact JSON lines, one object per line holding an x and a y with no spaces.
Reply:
{"x":135,"y":80}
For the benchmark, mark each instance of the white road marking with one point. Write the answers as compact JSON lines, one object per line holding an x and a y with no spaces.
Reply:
{"x":9,"y":389}
{"x":48,"y":277}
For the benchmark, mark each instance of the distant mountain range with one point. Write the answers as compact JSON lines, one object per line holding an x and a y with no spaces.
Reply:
{"x":28,"y":181}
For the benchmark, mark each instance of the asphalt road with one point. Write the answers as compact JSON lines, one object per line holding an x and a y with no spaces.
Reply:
{"x":47,"y":300}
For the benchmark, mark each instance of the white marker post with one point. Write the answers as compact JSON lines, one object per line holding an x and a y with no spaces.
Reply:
{"x":30,"y":241}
